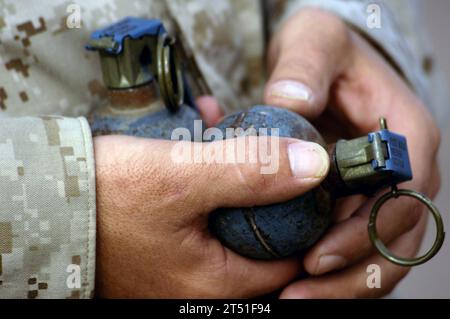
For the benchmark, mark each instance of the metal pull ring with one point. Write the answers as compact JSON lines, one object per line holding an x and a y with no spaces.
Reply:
{"x":383,"y":250}
{"x":169,"y":73}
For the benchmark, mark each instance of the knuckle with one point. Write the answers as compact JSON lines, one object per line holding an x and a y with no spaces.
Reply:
{"x":330,"y":22}
{"x":301,"y":67}
{"x":250,"y":174}
{"x":250,"y":178}
{"x":338,"y":29}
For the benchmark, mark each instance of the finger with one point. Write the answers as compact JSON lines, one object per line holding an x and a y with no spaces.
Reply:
{"x":244,"y":171}
{"x":209,"y":109}
{"x":357,"y":102}
{"x":244,"y":277}
{"x":308,"y":53}
{"x":255,"y":278}
{"x":237,"y":172}
{"x":346,"y":207}
{"x":348,"y":242}
{"x":352,"y":282}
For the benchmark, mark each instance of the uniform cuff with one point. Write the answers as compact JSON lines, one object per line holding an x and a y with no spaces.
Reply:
{"x":47,"y":208}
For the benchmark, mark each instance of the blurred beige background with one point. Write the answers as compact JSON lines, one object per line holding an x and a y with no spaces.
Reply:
{"x":432,"y":280}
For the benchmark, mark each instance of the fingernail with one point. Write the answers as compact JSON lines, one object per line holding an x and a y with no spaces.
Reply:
{"x":330,"y":262}
{"x":291,"y":90}
{"x":308,"y":160}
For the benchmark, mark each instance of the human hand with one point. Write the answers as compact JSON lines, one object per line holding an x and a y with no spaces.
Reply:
{"x":152,"y":217}
{"x":323,"y":70}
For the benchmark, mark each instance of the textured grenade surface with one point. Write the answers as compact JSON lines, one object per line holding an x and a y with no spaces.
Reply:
{"x":283,"y":229}
{"x":158,"y":125}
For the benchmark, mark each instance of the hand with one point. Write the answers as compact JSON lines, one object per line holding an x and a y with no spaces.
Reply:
{"x":323,"y":70}
{"x":152,"y":218}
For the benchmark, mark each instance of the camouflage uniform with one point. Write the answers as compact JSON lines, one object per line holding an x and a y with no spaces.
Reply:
{"x":47,"y":175}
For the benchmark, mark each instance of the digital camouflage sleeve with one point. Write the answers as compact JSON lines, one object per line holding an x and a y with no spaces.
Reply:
{"x":47,"y":208}
{"x":47,"y":183}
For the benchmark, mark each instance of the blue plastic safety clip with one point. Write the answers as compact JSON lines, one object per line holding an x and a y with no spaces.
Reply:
{"x":115,"y":34}
{"x":396,"y":161}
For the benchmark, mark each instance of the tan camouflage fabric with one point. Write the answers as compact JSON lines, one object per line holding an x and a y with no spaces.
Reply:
{"x":47,"y":207}
{"x":47,"y":175}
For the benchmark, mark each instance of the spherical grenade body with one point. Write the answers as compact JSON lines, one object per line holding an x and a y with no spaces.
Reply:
{"x":282,"y":229}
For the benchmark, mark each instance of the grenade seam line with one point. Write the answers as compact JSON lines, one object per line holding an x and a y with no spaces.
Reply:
{"x":250,"y":217}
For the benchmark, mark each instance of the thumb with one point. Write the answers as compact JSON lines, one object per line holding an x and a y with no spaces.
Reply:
{"x":306,"y":55}
{"x":246,"y":171}
{"x":196,"y":178}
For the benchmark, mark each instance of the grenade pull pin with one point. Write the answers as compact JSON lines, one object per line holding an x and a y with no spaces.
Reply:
{"x":394,"y":194}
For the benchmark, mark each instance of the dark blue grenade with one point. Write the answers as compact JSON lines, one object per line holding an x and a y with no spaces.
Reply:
{"x":147,"y":91}
{"x":281,"y":229}
{"x":359,"y":166}
{"x":152,"y":118}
